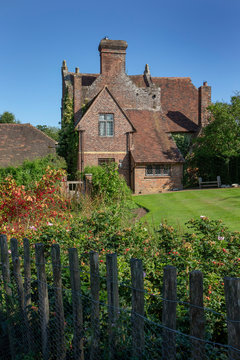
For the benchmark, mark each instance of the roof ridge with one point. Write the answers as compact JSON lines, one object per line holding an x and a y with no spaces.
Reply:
{"x":164,"y":77}
{"x":32,"y":126}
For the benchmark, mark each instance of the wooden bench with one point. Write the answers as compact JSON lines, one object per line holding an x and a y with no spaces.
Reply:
{"x":209,"y":183}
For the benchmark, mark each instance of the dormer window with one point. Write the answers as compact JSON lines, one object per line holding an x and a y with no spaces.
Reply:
{"x":106,"y":124}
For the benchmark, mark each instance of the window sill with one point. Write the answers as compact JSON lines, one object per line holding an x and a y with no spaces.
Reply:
{"x":106,"y":136}
{"x":157,"y":177}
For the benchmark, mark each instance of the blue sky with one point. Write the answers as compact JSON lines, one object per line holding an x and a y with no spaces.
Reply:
{"x":196,"y":38}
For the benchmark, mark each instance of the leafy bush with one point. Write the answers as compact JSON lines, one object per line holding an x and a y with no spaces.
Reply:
{"x":31,"y":171}
{"x":24,"y":210}
{"x":107,"y":183}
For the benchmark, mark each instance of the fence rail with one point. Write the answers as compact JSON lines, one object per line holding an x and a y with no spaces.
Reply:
{"x":72,"y":314}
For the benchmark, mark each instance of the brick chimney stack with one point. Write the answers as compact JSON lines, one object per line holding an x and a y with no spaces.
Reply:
{"x":204,"y":100}
{"x":112,"y":55}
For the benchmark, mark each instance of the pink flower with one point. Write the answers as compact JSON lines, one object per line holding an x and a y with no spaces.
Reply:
{"x":220,"y":237}
{"x":49,"y":224}
{"x":32,"y":228}
{"x":9,"y":251}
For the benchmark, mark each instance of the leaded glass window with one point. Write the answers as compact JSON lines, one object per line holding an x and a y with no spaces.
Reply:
{"x":158,"y":170}
{"x":106,"y":125}
{"x":149,"y":170}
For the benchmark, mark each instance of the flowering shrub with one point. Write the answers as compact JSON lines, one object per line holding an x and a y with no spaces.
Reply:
{"x":43,"y":215}
{"x":23,"y":211}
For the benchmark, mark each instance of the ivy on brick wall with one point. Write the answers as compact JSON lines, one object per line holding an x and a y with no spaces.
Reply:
{"x":68,"y":137}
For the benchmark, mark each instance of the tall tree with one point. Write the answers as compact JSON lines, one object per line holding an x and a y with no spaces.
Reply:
{"x":220,"y":139}
{"x":51,"y":131}
{"x":7,"y":117}
{"x":68,"y":138}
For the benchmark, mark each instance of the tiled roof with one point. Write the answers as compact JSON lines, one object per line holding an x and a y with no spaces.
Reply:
{"x":179,"y":101}
{"x":19,"y":142}
{"x":151,"y":142}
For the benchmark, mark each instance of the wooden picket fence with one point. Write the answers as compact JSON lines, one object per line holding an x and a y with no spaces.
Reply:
{"x":168,"y":334}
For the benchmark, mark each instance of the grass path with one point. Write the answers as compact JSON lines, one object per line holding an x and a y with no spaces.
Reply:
{"x":178,"y":207}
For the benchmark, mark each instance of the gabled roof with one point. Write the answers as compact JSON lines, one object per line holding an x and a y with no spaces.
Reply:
{"x":19,"y":142}
{"x":91,"y":103}
{"x":151,"y":142}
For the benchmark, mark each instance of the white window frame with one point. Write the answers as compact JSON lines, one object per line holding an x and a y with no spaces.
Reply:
{"x":103,"y":123}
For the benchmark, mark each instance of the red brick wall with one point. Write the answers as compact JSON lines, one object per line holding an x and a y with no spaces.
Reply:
{"x":96,"y":147}
{"x":150,"y":184}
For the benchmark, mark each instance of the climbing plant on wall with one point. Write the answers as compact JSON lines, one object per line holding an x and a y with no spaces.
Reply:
{"x":68,"y":137}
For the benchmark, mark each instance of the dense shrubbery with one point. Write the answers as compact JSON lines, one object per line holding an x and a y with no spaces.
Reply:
{"x":31,"y":171}
{"x":107,"y":183}
{"x":41,"y":214}
{"x":23,"y":210}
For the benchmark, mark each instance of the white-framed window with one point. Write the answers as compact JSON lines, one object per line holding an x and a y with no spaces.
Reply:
{"x":158,"y":170}
{"x":106,"y":124}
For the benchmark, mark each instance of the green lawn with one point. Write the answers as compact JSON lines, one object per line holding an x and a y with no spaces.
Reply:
{"x":178,"y":207}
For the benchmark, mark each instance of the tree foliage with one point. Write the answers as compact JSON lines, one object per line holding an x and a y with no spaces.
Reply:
{"x":183,"y":142}
{"x":51,"y":131}
{"x":219,"y":142}
{"x":221,"y":137}
{"x":68,"y":138}
{"x":7,"y":118}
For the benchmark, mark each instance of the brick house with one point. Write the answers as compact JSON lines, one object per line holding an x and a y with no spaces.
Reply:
{"x":129,"y":119}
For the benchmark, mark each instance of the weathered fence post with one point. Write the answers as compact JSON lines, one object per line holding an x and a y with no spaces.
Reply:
{"x":43,"y":299}
{"x":95,"y":287}
{"x":169,"y":313}
{"x":8,"y":291}
{"x":60,"y":349}
{"x":113,"y":302}
{"x":19,"y":283}
{"x":17,"y":272}
{"x":137,"y":308}
{"x":77,"y":304}
{"x":197,"y":318}
{"x":27,"y":291}
{"x":27,"y":274}
{"x":232,"y":297}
